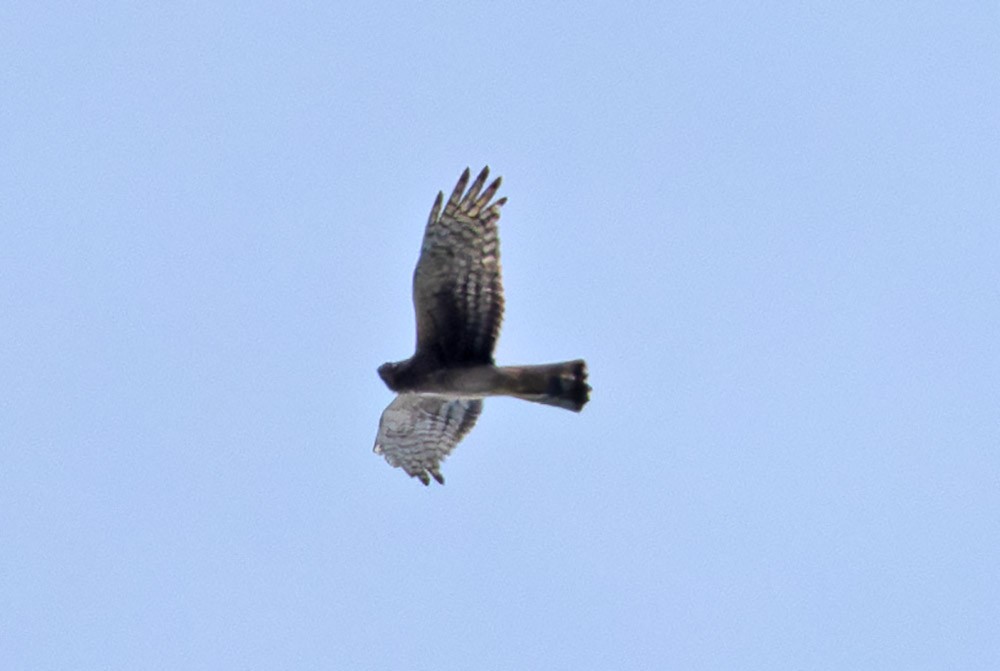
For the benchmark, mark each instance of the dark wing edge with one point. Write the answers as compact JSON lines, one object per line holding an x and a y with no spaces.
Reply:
{"x":457,"y":287}
{"x":416,"y":433}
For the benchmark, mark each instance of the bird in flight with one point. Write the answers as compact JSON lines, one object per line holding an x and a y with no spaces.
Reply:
{"x":458,"y":299}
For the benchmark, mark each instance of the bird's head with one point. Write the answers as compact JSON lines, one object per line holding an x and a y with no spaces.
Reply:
{"x":387,"y":372}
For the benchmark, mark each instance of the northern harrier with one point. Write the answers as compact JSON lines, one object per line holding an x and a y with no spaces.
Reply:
{"x":458,"y":299}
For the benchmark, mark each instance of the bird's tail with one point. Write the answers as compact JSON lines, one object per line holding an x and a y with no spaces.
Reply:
{"x":563,"y":385}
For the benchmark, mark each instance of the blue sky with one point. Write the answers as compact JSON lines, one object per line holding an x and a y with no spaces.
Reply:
{"x":770,"y":230}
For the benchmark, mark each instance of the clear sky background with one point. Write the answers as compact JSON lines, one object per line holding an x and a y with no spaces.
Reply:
{"x":772,"y":232}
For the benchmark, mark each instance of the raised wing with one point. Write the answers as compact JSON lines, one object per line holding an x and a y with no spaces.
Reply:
{"x":417,"y":432}
{"x":457,"y":292}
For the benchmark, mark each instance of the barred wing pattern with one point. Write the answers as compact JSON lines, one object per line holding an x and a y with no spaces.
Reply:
{"x":417,"y":432}
{"x":457,"y":292}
